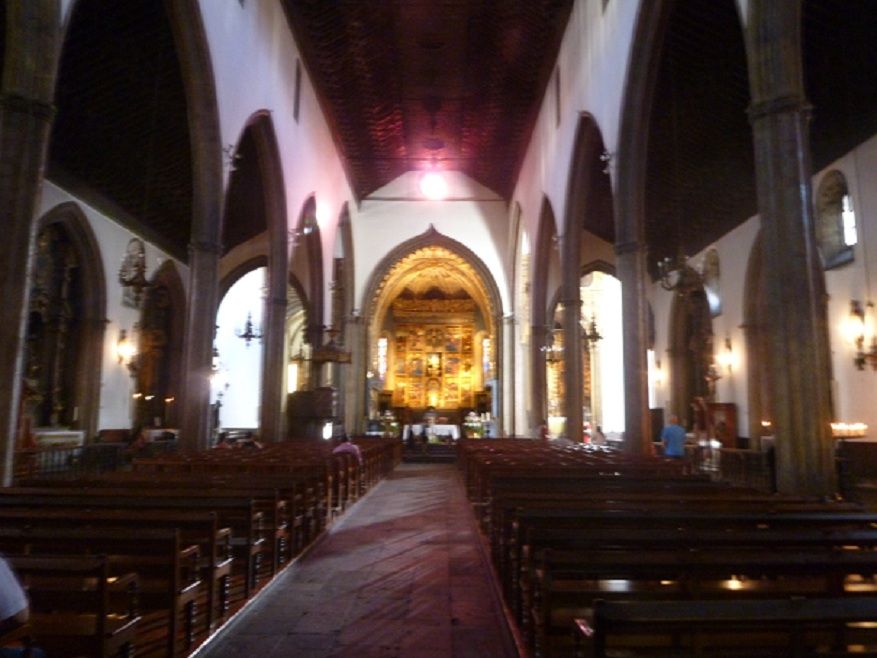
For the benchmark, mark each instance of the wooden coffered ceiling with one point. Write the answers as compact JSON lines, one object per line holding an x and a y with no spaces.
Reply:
{"x":410,"y":84}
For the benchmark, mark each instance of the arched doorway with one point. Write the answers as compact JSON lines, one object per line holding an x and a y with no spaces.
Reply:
{"x":432,"y":333}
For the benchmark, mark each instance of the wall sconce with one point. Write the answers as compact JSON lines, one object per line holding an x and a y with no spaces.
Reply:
{"x":308,"y":226}
{"x":849,"y":430}
{"x":126,"y":352}
{"x":658,"y":373}
{"x":858,"y":331}
{"x":726,"y":357}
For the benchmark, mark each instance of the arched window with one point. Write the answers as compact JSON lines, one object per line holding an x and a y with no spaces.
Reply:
{"x":836,"y":231}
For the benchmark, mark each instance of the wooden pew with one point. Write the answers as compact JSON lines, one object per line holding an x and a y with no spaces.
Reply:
{"x":289,"y":505}
{"x":781,"y":628}
{"x":240,"y":515}
{"x":71,"y":605}
{"x":198,"y":528}
{"x":167,"y":569}
{"x":567,"y":582}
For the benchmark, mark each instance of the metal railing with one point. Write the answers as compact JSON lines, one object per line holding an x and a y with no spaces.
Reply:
{"x":84,"y":460}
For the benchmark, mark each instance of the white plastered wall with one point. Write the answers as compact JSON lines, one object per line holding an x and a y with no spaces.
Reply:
{"x":853,"y":390}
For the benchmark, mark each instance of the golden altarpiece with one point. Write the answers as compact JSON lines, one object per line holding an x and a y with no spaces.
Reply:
{"x":436,"y":353}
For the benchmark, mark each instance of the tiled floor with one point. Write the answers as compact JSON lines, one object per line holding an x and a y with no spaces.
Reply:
{"x":402,"y":575}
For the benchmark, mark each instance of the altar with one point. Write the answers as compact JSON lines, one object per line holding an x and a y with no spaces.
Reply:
{"x":436,"y":431}
{"x":47,"y":437}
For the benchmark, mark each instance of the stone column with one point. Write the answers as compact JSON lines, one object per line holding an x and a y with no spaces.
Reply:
{"x":200,"y":331}
{"x":274,"y":359}
{"x":24,"y":130}
{"x":507,"y":426}
{"x":572,"y":361}
{"x":799,"y":358}
{"x":355,"y":408}
{"x":631,"y":268}
{"x":538,"y":406}
{"x":26,"y":115}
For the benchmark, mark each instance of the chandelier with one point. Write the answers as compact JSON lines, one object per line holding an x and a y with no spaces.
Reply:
{"x":250,"y":333}
{"x":553,"y":348}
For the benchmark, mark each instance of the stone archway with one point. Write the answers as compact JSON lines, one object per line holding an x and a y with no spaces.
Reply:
{"x":429,"y":275}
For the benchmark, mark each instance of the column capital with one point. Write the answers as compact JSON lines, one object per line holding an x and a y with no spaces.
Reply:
{"x":629,"y":247}
{"x":205,"y":247}
{"x":788,"y":104}
{"x":36,"y":108}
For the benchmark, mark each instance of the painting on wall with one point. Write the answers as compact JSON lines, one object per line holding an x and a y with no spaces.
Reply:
{"x":452,"y":365}
{"x":414,"y":394}
{"x":434,"y":364}
{"x":415,"y":365}
{"x":453,"y":339}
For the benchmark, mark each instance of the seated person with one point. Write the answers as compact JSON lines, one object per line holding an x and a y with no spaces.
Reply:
{"x":346,"y":446}
{"x":14,"y":612}
{"x":250,"y":440}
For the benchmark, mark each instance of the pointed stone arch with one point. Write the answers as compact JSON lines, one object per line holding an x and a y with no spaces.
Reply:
{"x":541,"y":312}
{"x":487,"y":294}
{"x":308,"y":245}
{"x":84,"y":390}
{"x":588,"y":193}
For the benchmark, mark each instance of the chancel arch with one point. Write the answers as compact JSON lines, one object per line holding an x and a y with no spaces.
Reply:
{"x":438,"y":308}
{"x":65,"y":325}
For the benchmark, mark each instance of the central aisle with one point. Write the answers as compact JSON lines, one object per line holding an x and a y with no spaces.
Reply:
{"x":402,"y":575}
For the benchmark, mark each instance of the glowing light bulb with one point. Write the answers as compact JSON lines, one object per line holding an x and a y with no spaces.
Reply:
{"x":433,"y":186}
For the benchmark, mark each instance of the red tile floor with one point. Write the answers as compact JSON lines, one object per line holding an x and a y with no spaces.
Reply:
{"x":403,"y":574}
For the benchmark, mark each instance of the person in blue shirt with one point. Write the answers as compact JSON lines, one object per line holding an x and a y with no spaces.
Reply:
{"x":673,"y":438}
